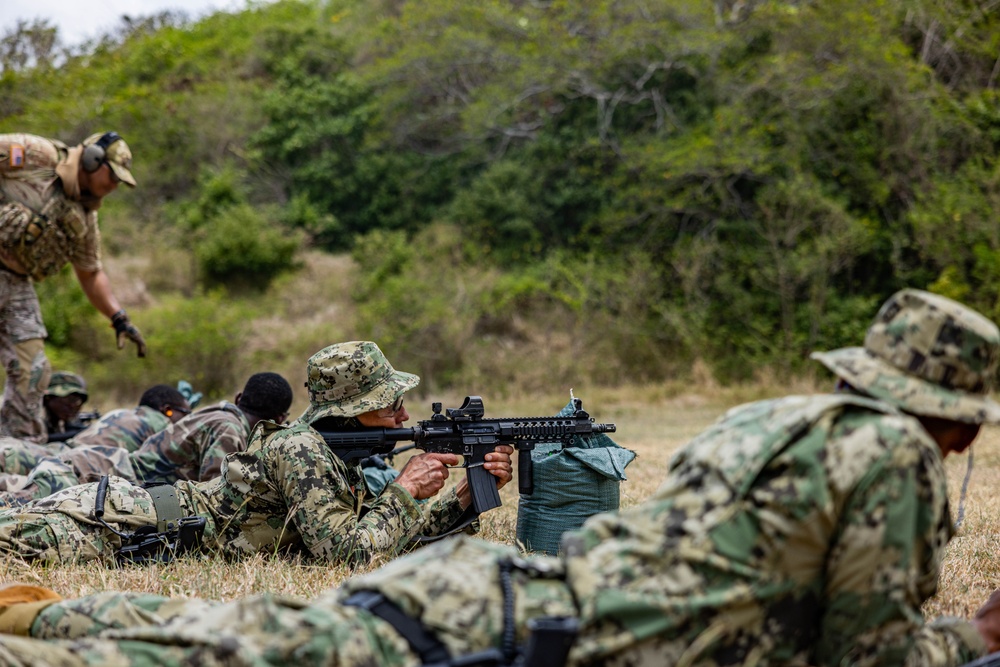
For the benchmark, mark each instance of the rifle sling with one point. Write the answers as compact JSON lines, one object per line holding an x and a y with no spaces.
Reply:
{"x":433,"y":652}
{"x":430,"y":649}
{"x":461,"y":523}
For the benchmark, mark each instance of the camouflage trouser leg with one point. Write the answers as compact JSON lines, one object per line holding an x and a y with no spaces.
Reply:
{"x":31,"y":538}
{"x":19,"y":457}
{"x":22,"y":352}
{"x":60,"y":528}
{"x":88,"y":616}
{"x":49,"y":476}
{"x":453,"y":587}
{"x":260,"y":631}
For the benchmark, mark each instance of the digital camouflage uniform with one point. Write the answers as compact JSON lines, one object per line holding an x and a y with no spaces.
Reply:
{"x":191,"y":449}
{"x":37,"y":176}
{"x":286,"y":491}
{"x":804,"y":530}
{"x":289,"y":490}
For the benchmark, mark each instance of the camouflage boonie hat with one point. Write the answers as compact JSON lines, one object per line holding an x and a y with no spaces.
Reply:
{"x":347,"y":379}
{"x":928,"y":355}
{"x":63,"y":383}
{"x":118,"y":156}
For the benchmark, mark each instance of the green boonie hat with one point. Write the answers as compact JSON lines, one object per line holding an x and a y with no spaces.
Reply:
{"x":348,"y":379}
{"x":118,"y":156}
{"x":928,"y":355}
{"x":63,"y":383}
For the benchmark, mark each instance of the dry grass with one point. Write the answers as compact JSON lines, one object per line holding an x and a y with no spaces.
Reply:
{"x":654,"y":422}
{"x":972,"y":565}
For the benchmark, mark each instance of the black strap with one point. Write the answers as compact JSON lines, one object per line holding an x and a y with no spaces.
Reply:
{"x":466,"y":519}
{"x":508,"y":643}
{"x":107,"y":139}
{"x":549,"y":642}
{"x":426,"y":645}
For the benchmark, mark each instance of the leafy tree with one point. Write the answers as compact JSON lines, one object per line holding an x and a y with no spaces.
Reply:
{"x":234,"y":243}
{"x":29,"y":44}
{"x":664,"y":181}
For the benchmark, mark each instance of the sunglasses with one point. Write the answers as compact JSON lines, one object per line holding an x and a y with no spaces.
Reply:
{"x":397,"y":405}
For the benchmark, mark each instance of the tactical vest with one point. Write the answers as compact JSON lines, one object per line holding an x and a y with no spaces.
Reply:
{"x":44,"y":232}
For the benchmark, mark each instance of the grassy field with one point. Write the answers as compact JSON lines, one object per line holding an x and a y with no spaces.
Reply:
{"x":652,"y":421}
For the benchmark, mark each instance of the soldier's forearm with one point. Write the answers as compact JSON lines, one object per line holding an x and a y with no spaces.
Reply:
{"x":97,"y":288}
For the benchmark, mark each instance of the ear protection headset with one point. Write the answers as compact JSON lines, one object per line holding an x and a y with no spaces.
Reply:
{"x":95,"y":154}
{"x":168,"y":410}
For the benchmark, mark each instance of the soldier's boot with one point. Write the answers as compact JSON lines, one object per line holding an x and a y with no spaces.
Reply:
{"x":20,"y":605}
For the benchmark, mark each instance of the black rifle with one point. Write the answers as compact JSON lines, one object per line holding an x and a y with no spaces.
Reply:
{"x":82,"y":421}
{"x":464,"y":431}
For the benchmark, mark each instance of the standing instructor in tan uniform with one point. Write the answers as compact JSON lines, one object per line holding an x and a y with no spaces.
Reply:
{"x":49,"y":197}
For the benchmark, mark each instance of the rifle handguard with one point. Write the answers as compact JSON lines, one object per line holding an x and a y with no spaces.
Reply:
{"x":464,"y":431}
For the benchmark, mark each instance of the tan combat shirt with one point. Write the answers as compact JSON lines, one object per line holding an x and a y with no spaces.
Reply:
{"x":38,"y":175}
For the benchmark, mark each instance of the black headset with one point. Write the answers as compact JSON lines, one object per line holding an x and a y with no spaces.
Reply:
{"x":96,"y":153}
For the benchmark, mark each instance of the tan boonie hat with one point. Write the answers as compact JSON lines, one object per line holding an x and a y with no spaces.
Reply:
{"x":118,"y":156}
{"x":63,"y":383}
{"x":348,"y":379}
{"x":928,"y":355}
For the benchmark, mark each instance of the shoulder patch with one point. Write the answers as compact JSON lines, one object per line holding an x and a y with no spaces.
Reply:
{"x":16,"y":156}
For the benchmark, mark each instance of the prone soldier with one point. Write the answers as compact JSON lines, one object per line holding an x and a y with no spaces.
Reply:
{"x":191,"y":448}
{"x":124,"y":428}
{"x":62,"y":402}
{"x":127,"y":428}
{"x":287,"y":491}
{"x":801,"y":530}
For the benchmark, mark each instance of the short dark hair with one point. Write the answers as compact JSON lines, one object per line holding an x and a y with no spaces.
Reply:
{"x":162,"y":396}
{"x":266,"y":395}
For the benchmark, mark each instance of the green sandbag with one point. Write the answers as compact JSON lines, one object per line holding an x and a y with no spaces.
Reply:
{"x":571,"y":483}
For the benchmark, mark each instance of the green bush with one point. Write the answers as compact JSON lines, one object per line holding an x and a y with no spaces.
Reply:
{"x":243,"y":250}
{"x":199,"y":339}
{"x":440,"y":311}
{"x":413,"y":299}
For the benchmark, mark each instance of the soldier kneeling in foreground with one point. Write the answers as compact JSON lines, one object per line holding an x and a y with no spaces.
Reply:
{"x":803,"y":530}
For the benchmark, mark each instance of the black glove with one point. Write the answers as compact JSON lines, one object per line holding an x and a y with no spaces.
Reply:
{"x":124,"y":329}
